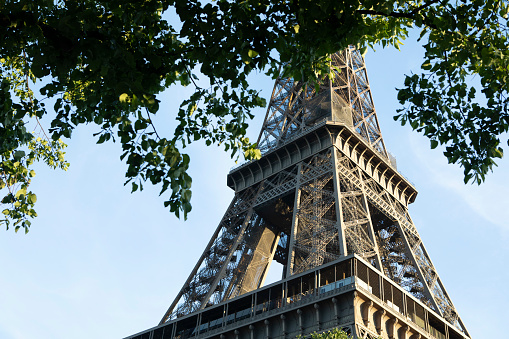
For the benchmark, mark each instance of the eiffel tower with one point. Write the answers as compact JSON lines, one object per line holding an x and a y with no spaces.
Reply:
{"x":327,"y":203}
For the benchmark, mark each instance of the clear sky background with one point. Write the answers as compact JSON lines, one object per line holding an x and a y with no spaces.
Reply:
{"x":100,"y":262}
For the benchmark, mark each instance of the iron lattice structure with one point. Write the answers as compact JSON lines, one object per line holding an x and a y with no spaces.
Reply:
{"x":294,"y":106}
{"x":324,"y":188}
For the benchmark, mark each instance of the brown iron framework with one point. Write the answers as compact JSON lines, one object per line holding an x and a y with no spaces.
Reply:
{"x":324,"y":189}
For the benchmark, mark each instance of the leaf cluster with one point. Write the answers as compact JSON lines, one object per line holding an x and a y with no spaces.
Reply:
{"x":466,"y":49}
{"x":335,"y":333}
{"x":106,"y":63}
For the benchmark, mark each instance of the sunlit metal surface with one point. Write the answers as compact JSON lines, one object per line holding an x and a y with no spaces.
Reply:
{"x":325,"y":188}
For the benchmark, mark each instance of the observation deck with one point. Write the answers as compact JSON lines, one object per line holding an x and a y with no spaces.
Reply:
{"x":348,"y":293}
{"x":316,"y":139}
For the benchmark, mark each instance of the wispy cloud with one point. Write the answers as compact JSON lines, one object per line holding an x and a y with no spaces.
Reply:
{"x":489,"y":200}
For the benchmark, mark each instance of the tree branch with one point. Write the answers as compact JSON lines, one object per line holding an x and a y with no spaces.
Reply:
{"x":418,"y":9}
{"x":391,"y":14}
{"x":395,"y":15}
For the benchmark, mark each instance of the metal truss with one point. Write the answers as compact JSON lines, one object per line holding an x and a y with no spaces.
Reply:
{"x":402,"y":253}
{"x":346,"y":97}
{"x":319,"y":204}
{"x":337,"y":209}
{"x":238,"y":256}
{"x":213,"y":278}
{"x":314,"y":240}
{"x":364,"y":333}
{"x":351,"y":84}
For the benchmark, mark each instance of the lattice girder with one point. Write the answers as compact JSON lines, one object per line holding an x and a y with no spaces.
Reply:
{"x":324,"y":189}
{"x":429,"y":281}
{"x":295,"y":106}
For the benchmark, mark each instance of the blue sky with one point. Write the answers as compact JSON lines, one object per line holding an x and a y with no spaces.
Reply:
{"x":100,"y":262}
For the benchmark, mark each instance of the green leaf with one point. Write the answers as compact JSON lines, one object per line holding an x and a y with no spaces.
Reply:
{"x":123,"y":98}
{"x":21,"y":192}
{"x":102,"y":138}
{"x":467,"y":178}
{"x":186,"y":195}
{"x":252,"y":53}
{"x":32,"y":198}
{"x":186,"y":207}
{"x":18,"y":155}
{"x":498,"y":153}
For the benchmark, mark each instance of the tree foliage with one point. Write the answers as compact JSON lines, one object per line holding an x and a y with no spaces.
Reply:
{"x":335,"y":333}
{"x":106,"y":62}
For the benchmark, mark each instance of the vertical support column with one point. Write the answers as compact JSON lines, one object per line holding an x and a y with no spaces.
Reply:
{"x":336,"y":315}
{"x":371,"y":232}
{"x":198,"y":324}
{"x":174,"y":329}
{"x":426,"y":320}
{"x":225,"y":316}
{"x":339,"y":208}
{"x":299,"y":315}
{"x":253,"y":304}
{"x":283,"y":294}
{"x":317,"y":282}
{"x":283,"y":326}
{"x":317,"y":310}
{"x":405,"y":307}
{"x":295,"y":221}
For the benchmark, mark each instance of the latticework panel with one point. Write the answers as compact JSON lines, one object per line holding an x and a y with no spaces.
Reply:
{"x":294,"y":106}
{"x":316,"y":237}
{"x":216,"y":275}
{"x":352,"y":85}
{"x":364,"y":333}
{"x":316,"y":199}
{"x":286,"y":114}
{"x":402,"y":254}
{"x":307,"y":215}
{"x":356,"y":222}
